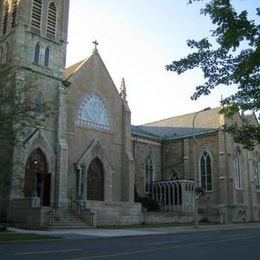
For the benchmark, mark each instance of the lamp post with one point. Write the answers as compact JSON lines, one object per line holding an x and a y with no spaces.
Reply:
{"x":196,"y":181}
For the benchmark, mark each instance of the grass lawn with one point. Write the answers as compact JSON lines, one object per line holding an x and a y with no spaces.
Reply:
{"x":12,"y":236}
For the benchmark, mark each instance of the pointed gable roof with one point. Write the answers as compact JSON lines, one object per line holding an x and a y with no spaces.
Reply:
{"x":94,"y":60}
{"x":72,"y":69}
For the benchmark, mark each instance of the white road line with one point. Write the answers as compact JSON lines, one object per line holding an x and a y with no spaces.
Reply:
{"x":162,"y":243}
{"x":232,"y":236}
{"x":49,"y":252}
{"x":202,"y":243}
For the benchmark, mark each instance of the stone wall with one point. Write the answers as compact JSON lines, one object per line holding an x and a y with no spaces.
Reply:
{"x":21,"y":213}
{"x":166,"y":218}
{"x":92,"y":78}
{"x":115,"y":213}
{"x":173,"y":160}
{"x":141,"y":150}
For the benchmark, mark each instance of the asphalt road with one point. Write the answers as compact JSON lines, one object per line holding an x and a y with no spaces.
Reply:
{"x":238,"y":244}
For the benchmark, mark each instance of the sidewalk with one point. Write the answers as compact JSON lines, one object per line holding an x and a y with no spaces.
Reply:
{"x":142,"y":231}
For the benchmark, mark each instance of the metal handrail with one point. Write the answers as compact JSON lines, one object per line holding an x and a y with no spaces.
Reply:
{"x":84,"y":213}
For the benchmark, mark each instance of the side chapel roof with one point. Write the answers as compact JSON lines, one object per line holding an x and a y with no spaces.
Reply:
{"x":180,"y":126}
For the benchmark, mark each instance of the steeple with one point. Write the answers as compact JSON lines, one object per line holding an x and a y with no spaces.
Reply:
{"x":123,"y":89}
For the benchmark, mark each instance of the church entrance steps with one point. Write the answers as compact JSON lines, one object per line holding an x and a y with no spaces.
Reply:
{"x":65,"y":219}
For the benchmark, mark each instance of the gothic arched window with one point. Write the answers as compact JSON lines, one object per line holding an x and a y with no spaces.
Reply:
{"x":37,"y":53}
{"x":205,"y":171}
{"x":1,"y":54}
{"x":149,"y":174}
{"x":6,"y":54}
{"x":36,"y":15}
{"x":5,"y":17}
{"x":257,"y":171}
{"x":238,"y":169}
{"x":38,"y":105}
{"x":93,"y":113}
{"x":51,"y":20}
{"x":14,"y":13}
{"x":47,"y":57}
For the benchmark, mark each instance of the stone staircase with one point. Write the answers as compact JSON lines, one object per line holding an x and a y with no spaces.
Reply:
{"x":66,"y":219}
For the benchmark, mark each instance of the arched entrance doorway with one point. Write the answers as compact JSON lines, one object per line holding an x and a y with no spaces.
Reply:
{"x":95,"y":181}
{"x":37,"y":179}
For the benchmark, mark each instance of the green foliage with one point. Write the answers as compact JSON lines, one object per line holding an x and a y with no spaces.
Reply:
{"x":147,"y":202}
{"x":3,"y":228}
{"x":233,"y":59}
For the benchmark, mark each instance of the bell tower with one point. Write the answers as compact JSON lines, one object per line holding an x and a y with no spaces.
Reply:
{"x":33,"y":34}
{"x":33,"y":41}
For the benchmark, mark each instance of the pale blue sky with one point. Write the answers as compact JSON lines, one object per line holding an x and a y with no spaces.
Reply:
{"x":137,"y":39}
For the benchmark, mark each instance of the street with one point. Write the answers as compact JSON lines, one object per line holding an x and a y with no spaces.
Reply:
{"x":234,"y":244}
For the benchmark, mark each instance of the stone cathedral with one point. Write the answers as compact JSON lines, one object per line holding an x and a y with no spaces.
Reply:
{"x":86,"y":165}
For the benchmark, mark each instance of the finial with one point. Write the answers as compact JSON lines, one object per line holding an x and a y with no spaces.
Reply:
{"x":96,"y":44}
{"x":123,"y":89}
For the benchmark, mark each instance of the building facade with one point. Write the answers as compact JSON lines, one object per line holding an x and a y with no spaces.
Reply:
{"x":86,"y":155}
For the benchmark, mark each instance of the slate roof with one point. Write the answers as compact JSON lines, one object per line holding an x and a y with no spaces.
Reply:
{"x":72,"y":69}
{"x":180,"y":126}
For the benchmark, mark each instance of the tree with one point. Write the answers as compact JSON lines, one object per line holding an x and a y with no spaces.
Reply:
{"x":21,"y":105}
{"x":21,"y":111}
{"x":233,"y":59}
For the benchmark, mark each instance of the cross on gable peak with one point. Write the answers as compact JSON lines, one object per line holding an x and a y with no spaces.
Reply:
{"x":96,"y":44}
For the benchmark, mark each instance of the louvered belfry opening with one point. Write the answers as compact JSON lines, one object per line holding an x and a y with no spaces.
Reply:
{"x":51,"y":22}
{"x":14,"y":13}
{"x":36,"y":15}
{"x":5,"y":17}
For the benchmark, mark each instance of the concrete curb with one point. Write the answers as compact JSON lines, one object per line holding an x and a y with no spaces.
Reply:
{"x":131,"y":232}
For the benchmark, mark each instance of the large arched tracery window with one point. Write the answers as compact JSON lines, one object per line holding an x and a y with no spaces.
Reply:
{"x":93,"y":112}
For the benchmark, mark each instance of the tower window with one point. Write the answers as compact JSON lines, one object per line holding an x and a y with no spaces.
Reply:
{"x":37,"y":53}
{"x":14,"y":13}
{"x":5,"y":17}
{"x":51,"y":22}
{"x":1,"y":54}
{"x":47,"y":57}
{"x":36,"y":15}
{"x":38,"y":105}
{"x":5,"y":55}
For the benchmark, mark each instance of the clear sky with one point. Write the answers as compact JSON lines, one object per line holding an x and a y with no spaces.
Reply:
{"x":137,"y":39}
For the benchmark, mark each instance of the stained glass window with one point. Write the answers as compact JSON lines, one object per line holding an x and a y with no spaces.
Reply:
{"x":238,"y":169}
{"x":93,"y":113}
{"x":205,"y":172}
{"x":257,"y":171}
{"x":149,"y":174}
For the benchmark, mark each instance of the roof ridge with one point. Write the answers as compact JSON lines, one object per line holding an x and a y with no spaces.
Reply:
{"x":161,"y":120}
